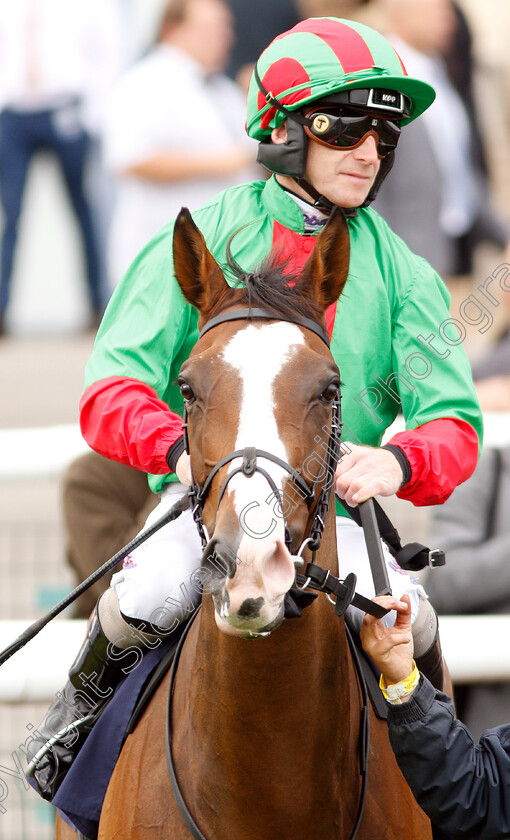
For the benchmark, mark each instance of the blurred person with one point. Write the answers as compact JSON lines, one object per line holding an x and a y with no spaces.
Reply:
{"x":473,"y":525}
{"x":492,"y":372}
{"x":473,"y":528}
{"x":461,"y":66}
{"x":56,"y":60}
{"x":442,"y":207}
{"x":255,"y":25}
{"x":175,"y":128}
{"x":463,"y":787}
{"x":492,"y":376}
{"x":364,"y":11}
{"x":337,"y":8}
{"x":328,"y":133}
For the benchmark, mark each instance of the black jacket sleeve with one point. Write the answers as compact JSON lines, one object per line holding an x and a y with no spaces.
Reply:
{"x":464,"y":788}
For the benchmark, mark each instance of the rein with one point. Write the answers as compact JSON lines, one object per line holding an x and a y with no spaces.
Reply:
{"x":364,"y":736}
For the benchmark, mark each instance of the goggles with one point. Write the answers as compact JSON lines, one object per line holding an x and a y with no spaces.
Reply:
{"x":346,"y":130}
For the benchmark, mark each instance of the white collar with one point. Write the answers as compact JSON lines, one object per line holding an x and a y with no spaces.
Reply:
{"x":314,"y":218}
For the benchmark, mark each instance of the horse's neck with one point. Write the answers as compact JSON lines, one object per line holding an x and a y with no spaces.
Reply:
{"x":287,"y":662}
{"x":285,"y":706}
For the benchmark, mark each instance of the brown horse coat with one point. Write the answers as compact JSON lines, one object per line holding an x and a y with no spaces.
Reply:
{"x":266,"y":732}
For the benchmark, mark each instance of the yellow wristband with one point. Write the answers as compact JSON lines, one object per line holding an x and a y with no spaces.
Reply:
{"x":395,"y":692}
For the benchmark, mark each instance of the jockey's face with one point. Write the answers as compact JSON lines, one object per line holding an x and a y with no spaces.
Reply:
{"x":344,"y":177}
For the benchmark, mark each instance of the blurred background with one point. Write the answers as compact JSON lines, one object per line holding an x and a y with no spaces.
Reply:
{"x":70,"y":189}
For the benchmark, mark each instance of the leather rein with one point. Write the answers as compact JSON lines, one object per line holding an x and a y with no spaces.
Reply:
{"x":314,"y":577}
{"x":364,"y":736}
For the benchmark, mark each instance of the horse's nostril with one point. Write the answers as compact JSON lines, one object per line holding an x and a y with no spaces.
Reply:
{"x":250,"y":608}
{"x":218,"y":563}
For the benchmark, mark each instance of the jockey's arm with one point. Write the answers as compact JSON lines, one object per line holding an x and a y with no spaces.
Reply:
{"x":125,"y":420}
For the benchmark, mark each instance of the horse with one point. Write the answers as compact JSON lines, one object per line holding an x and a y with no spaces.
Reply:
{"x":265,"y":713}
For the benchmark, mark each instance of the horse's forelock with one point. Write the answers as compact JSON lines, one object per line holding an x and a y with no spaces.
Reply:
{"x":272,"y":285}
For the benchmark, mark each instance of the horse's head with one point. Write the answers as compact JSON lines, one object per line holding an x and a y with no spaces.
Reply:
{"x":258,"y":393}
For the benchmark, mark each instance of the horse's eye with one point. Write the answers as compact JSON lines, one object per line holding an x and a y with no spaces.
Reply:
{"x":186,"y":391}
{"x":330,"y":392}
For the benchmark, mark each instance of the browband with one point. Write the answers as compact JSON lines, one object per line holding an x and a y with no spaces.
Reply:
{"x":264,"y":314}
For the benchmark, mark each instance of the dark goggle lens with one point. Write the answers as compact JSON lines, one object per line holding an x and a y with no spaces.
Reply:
{"x":343,"y":131}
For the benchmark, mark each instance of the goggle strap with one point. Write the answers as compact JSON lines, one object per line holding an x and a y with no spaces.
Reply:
{"x":272,"y":100}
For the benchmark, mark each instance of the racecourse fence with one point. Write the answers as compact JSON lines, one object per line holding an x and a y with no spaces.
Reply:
{"x":34,"y":577}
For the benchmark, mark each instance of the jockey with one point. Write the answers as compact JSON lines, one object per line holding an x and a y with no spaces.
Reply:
{"x":327,"y":102}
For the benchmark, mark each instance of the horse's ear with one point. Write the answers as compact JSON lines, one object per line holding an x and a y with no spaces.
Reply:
{"x":325,"y":272}
{"x":197,"y":272}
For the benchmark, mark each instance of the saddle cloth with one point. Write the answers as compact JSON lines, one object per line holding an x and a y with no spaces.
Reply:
{"x":80,"y":796}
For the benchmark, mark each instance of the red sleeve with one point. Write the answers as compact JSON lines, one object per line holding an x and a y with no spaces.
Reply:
{"x":442,"y":454}
{"x":124,"y":419}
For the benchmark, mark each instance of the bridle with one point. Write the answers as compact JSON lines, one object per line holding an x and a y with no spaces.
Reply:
{"x":315,"y":576}
{"x":250,"y":455}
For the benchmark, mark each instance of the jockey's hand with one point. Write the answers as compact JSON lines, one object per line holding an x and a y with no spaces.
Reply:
{"x":366,"y":471}
{"x":183,"y":469}
{"x":390,"y":648}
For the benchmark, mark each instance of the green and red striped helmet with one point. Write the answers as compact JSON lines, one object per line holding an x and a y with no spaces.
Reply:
{"x":321,"y":56}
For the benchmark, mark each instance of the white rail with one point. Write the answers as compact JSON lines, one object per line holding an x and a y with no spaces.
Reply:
{"x":49,"y":451}
{"x":52,"y":448}
{"x":476,"y":648}
{"x":39,"y":669}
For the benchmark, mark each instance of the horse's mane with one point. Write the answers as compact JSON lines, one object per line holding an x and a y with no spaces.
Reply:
{"x":269,"y":286}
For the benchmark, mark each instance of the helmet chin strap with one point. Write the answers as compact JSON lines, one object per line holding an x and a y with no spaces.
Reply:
{"x":326,"y":206}
{"x":320,"y":201}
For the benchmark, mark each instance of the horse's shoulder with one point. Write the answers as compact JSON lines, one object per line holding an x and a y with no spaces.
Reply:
{"x":141,"y":768}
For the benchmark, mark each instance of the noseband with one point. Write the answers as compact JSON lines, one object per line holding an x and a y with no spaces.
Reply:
{"x":249,"y":455}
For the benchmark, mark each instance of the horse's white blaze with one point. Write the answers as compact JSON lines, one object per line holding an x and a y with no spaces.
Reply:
{"x":259,"y":354}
